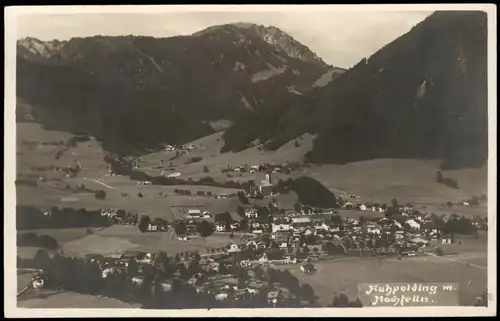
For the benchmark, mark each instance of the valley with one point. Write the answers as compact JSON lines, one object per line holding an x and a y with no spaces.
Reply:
{"x":234,"y":168}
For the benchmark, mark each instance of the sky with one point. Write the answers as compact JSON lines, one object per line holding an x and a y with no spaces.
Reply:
{"x":340,"y":37}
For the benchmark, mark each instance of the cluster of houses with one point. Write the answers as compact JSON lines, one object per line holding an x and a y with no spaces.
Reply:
{"x":186,"y":147}
{"x":406,"y":234}
{"x":264,"y":168}
{"x":120,"y":217}
{"x":213,"y":275}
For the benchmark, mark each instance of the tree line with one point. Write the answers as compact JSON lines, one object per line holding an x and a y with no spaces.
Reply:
{"x":30,"y":217}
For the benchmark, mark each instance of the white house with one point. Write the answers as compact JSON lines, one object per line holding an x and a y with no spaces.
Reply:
{"x":281,"y":226}
{"x":413,"y":224}
{"x":373,"y":229}
{"x":206,"y":214}
{"x":446,"y":240}
{"x":235,"y":226}
{"x":152,"y":227}
{"x":397,"y":224}
{"x":301,"y":219}
{"x":234,"y":248}
{"x":251,"y":213}
{"x":363,"y":207}
{"x":194,"y":213}
{"x":399,"y":235}
{"x":219,"y":227}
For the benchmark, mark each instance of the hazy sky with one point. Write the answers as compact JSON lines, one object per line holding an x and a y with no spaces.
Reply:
{"x":341,"y":38}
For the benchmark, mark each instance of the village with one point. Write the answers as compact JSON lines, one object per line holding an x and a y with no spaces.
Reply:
{"x":262,"y":239}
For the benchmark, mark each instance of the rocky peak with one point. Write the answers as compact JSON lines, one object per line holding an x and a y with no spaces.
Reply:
{"x":34,"y":47}
{"x":271,"y":35}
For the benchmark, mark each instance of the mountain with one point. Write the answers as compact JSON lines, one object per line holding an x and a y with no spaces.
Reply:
{"x":135,"y":92}
{"x":422,"y":96}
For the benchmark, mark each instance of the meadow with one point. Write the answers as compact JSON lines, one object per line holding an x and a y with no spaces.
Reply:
{"x":117,"y":239}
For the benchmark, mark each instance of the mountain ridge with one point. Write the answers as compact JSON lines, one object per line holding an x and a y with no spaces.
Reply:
{"x":421,"y":96}
{"x":112,"y":84}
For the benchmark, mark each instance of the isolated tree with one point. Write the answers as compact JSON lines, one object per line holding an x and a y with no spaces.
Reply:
{"x":297,"y":207}
{"x":362,"y":220}
{"x":439,"y":177}
{"x":140,"y":195}
{"x":357,"y":303}
{"x":161,"y":258}
{"x":144,"y":223}
{"x":205,"y":229}
{"x":48,"y":242}
{"x":205,"y":169}
{"x":180,"y":228}
{"x":343,"y":300}
{"x":100,"y":194}
{"x":41,"y":260}
{"x":439,"y":251}
{"x":394,"y":202}
{"x":243,"y":199}
{"x":307,"y":293}
{"x":240,"y":210}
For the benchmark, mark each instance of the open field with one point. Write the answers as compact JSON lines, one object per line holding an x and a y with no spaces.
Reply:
{"x":117,"y":239}
{"x":39,"y":147}
{"x":410,"y":181}
{"x":346,"y":273}
{"x":349,"y":272}
{"x":62,"y":235}
{"x":208,"y":148}
{"x":70,"y":300}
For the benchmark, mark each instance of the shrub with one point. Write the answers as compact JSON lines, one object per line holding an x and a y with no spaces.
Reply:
{"x":439,"y":251}
{"x":439,"y":177}
{"x":297,"y":144}
{"x":140,"y":195}
{"x":205,"y":169}
{"x":450,"y":182}
{"x":144,"y":223}
{"x":100,"y":194}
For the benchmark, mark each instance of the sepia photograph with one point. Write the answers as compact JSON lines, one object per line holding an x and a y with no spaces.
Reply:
{"x":244,"y":160}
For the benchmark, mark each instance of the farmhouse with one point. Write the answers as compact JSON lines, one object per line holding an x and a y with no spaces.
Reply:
{"x":446,"y":240}
{"x":233,"y":248}
{"x":373,"y":229}
{"x":281,"y":225}
{"x":265,"y":188}
{"x":152,"y":227}
{"x":194,"y":213}
{"x":220,"y":227}
{"x":413,"y":224}
{"x":301,"y":219}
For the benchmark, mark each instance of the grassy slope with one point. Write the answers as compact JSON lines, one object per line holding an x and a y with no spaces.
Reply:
{"x":346,"y":273}
{"x":376,"y":180}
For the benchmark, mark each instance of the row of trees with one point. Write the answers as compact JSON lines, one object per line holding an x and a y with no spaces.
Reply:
{"x":123,"y":167}
{"x":29,"y":217}
{"x":32,"y":239}
{"x":204,"y":228}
